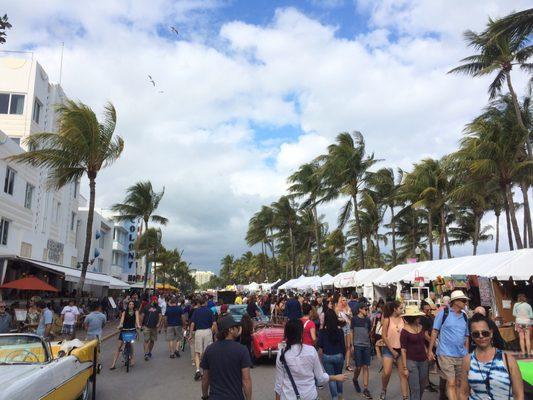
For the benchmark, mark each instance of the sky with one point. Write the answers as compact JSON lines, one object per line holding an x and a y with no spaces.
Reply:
{"x":251,"y":89}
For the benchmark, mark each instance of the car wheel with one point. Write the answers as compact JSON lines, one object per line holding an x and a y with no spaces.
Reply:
{"x":85,"y":394}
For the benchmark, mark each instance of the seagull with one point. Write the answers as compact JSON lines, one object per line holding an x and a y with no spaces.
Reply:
{"x":174,"y":30}
{"x":161,"y":91}
{"x":151,"y":80}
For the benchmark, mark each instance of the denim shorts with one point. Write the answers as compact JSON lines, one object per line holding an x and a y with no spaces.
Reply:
{"x":385,"y":352}
{"x":362,"y":356}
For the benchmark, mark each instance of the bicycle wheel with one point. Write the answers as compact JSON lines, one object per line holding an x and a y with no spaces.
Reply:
{"x":127,"y":355}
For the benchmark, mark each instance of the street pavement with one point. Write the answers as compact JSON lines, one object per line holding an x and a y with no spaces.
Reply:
{"x":163,"y":378}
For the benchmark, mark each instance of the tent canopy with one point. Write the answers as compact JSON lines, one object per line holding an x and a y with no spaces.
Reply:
{"x":29,"y":283}
{"x":357,"y":278}
{"x":510,"y":264}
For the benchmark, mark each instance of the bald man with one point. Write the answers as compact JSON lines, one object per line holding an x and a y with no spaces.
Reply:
{"x":497,"y":339}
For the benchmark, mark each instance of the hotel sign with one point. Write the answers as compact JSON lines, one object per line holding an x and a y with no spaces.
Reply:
{"x":55,"y":251}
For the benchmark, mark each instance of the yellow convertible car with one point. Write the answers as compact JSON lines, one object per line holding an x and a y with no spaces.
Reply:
{"x":33,"y":369}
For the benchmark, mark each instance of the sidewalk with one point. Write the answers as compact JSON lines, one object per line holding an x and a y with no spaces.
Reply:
{"x":110,"y":330}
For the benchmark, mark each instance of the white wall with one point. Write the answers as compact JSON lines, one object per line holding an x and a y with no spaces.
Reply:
{"x":101,"y":263}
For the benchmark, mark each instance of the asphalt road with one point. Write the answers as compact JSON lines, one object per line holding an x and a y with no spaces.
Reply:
{"x":163,"y":378}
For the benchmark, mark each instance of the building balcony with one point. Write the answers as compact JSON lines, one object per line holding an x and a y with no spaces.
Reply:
{"x":123,"y":248}
{"x":116,"y":271}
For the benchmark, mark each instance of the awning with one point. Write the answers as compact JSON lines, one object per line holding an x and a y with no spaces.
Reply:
{"x":73,"y":275}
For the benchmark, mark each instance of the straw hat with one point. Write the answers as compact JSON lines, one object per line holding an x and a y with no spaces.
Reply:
{"x":458,"y":295}
{"x":412,"y":311}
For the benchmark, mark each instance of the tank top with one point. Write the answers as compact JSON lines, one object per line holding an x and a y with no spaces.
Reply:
{"x":129,"y":321}
{"x":497,"y":375}
{"x":393,"y":333}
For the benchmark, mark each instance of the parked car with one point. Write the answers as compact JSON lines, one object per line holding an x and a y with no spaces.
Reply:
{"x":238,"y":310}
{"x":31,"y":369}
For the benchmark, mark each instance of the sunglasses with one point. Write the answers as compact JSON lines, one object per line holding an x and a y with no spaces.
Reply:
{"x":480,"y":334}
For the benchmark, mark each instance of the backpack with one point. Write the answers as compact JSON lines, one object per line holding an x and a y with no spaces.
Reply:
{"x":446,"y":312}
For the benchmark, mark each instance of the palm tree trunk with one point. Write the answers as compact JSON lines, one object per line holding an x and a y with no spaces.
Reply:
{"x":442,"y":232}
{"x":293,"y":258}
{"x":393,"y":228}
{"x":447,"y":241}
{"x":147,"y":259}
{"x":476,"y":232}
{"x":497,"y":232}
{"x":378,"y":250}
{"x":358,"y":232}
{"x":88,"y":233}
{"x":512,"y":213}
{"x":507,"y":219}
{"x":430,"y":234}
{"x":527,"y":216}
{"x":318,"y":244}
{"x":519,"y":114}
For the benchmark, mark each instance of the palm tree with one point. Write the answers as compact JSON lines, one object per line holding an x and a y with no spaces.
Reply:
{"x":82,"y":146}
{"x":150,"y":246}
{"x":306,"y":182}
{"x":140,"y":203}
{"x":226,"y":270}
{"x":515,"y":25}
{"x":499,"y":53}
{"x":285,"y":219}
{"x":468,"y":228}
{"x":345,"y":172}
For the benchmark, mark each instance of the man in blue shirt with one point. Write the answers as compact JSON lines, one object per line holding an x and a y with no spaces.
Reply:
{"x":354,"y":303}
{"x":174,"y":320}
{"x":451,"y":327}
{"x":46,"y":320}
{"x":203,"y":325}
{"x":293,"y":308}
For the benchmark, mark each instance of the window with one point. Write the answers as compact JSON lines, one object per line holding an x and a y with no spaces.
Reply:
{"x":72,"y":221}
{"x":15,"y":139}
{"x":100,"y":265}
{"x":11,"y":103}
{"x":9,"y":181}
{"x":75,"y":188}
{"x":29,"y":195}
{"x":101,"y":241}
{"x":117,"y":259}
{"x":16,"y":106}
{"x":57,"y":212}
{"x":37,"y":106}
{"x":25,"y":250}
{"x":4,"y":231}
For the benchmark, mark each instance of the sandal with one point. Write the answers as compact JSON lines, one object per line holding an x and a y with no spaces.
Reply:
{"x":348,"y":368}
{"x":112,"y":368}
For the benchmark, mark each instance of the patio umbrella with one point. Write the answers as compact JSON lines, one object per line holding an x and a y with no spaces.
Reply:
{"x":29,"y":283}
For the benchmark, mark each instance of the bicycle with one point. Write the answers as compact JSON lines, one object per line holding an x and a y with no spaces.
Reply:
{"x":128,"y":337}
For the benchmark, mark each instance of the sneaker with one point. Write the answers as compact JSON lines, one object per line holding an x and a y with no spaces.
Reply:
{"x":367,"y":395}
{"x":150,"y":354}
{"x":177,"y":354}
{"x":197,"y":375}
{"x":320,"y":387}
{"x":431,"y":388}
{"x":146,"y":358}
{"x":172,"y":355}
{"x":356,"y":385}
{"x":383,"y":395}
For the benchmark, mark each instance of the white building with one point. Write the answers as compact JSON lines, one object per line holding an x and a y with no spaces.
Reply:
{"x":41,"y":229}
{"x":202,"y":277}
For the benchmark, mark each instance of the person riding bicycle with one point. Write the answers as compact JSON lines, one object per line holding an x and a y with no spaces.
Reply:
{"x":129,"y":319}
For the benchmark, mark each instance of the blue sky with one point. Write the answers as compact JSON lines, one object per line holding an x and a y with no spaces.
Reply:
{"x":254,"y":88}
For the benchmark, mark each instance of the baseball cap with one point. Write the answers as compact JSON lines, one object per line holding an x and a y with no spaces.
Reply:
{"x":226,"y":322}
{"x":153,"y":298}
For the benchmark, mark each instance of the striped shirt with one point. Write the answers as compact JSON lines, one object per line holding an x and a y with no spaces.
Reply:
{"x":499,"y":380}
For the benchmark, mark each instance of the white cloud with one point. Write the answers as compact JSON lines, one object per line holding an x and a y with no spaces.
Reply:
{"x":196,"y":137}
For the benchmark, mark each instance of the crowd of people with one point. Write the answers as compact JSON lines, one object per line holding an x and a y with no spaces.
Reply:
{"x":327,"y":339}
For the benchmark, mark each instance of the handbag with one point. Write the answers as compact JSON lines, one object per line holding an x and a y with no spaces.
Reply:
{"x":294,"y":387}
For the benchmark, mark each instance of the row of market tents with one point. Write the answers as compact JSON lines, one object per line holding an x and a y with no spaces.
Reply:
{"x":516,"y":265}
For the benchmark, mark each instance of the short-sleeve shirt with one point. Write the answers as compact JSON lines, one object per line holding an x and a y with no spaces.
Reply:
{"x":331,"y":345}
{"x":293,"y":309}
{"x":361,"y":329}
{"x":69,"y":314}
{"x":5,"y":323}
{"x":354,"y":306}
{"x":308,"y":325}
{"x":452,"y":334}
{"x":173,"y":315}
{"x":225,"y":360}
{"x":95,"y":322}
{"x":203,"y":318}
{"x":151,"y":316}
{"x":47,"y":318}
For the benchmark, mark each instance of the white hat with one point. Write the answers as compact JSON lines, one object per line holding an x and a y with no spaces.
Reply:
{"x":458,"y":295}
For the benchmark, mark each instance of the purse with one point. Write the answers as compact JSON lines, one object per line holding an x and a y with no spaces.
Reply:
{"x":294,"y":387}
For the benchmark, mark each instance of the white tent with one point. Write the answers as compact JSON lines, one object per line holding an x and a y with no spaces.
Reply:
{"x":252,"y":287}
{"x":515,"y":264}
{"x":326,"y":280}
{"x":293,"y":283}
{"x":267,"y":286}
{"x":304,"y":283}
{"x":287,"y":285}
{"x":357,"y":278}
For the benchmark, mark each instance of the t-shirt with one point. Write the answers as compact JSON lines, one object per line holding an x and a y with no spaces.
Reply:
{"x":251,"y":309}
{"x":427,"y":324}
{"x":202,"y":318}
{"x":69,"y":314}
{"x":331,"y":345}
{"x":361,"y":331}
{"x":452,"y":334}
{"x":211,"y":304}
{"x":95,"y":322}
{"x":151,"y":316}
{"x":414,"y":345}
{"x":225,"y":360}
{"x":308,"y":325}
{"x":238,"y":300}
{"x":293,"y":309}
{"x":523,"y":313}
{"x":47,"y":318}
{"x":354,"y":306}
{"x":173,"y":315}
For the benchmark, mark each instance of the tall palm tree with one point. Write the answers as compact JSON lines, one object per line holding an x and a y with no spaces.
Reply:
{"x":499,"y":53}
{"x":82,"y":146}
{"x":140,"y":202}
{"x":515,"y":25}
{"x":306,"y":182}
{"x":345,"y":172}
{"x":286,"y":217}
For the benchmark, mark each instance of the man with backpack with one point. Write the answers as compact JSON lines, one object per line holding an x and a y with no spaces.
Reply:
{"x":451,"y":328}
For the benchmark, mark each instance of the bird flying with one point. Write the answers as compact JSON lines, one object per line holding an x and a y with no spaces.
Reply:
{"x":151,"y":80}
{"x":174,"y":30}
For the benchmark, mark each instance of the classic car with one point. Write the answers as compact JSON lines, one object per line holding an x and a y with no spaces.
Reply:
{"x":266,"y":339}
{"x":33,"y":369}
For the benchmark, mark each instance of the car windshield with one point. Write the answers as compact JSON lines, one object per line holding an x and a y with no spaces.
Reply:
{"x":22,"y":349}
